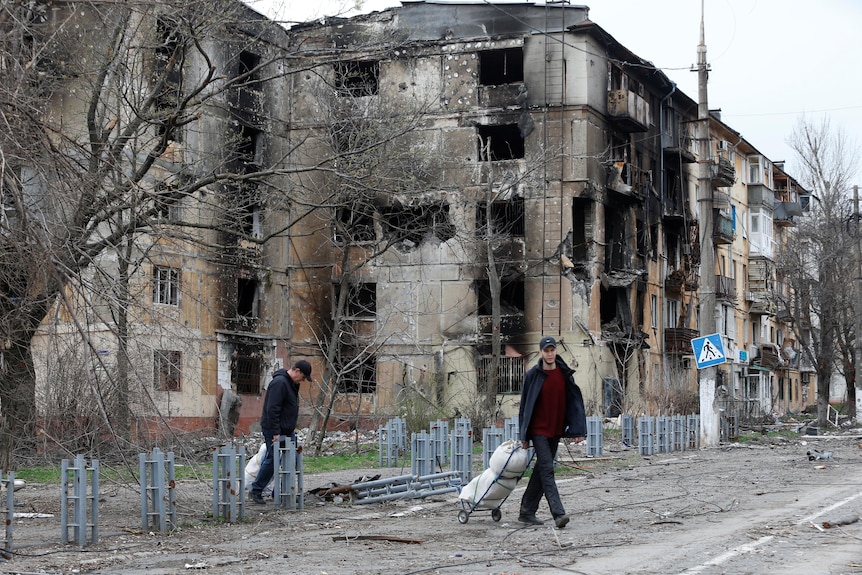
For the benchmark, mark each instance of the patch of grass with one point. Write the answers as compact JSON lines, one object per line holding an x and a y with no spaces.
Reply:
{"x":368,"y":459}
{"x":40,"y":474}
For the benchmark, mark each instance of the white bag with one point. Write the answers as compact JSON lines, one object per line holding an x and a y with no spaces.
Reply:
{"x":488,"y":489}
{"x":253,"y":466}
{"x":510,"y":459}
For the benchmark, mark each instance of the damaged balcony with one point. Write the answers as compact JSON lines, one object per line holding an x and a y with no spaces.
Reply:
{"x":628,"y":111}
{"x":725,"y":288}
{"x":629,"y":180}
{"x":766,"y":356}
{"x":677,"y":340}
{"x":722,"y":172}
{"x":679,"y":280}
{"x":678,"y":146}
{"x":722,"y":228}
{"x":785,"y":212}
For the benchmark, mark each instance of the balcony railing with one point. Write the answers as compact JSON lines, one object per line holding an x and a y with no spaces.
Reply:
{"x":678,"y":339}
{"x":722,"y":228}
{"x":723,"y":173}
{"x":628,"y":110}
{"x":725,"y":288}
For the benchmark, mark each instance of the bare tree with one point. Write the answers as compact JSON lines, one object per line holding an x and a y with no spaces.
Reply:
{"x":814,"y":264}
{"x":113,"y":113}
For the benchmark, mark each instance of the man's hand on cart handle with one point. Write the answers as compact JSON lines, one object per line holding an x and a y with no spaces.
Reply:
{"x":525,"y":444}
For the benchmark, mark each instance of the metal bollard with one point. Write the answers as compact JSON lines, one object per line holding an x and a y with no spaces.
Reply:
{"x":158,"y":488}
{"x":74,"y":491}
{"x":229,"y":483}
{"x":288,"y":488}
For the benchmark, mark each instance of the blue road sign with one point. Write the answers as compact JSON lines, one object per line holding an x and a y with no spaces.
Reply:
{"x":708,"y":350}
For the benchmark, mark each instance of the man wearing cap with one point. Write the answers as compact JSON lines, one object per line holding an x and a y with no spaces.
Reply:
{"x":278,"y":419}
{"x":551,"y":407}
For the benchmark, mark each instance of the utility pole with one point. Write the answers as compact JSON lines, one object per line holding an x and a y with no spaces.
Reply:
{"x":854,"y":229}
{"x":709,"y":421}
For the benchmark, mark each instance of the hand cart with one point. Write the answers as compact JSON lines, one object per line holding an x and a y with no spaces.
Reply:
{"x":494,"y":483}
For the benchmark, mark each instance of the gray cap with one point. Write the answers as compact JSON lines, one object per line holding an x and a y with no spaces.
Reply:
{"x":547,"y":341}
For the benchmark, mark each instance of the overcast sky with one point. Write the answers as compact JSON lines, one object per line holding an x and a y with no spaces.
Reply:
{"x":772,"y":61}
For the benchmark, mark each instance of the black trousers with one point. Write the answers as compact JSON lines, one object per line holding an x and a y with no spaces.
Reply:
{"x":542,"y":480}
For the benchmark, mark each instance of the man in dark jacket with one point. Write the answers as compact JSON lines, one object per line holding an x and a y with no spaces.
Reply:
{"x":551,"y":407}
{"x":278,"y":419}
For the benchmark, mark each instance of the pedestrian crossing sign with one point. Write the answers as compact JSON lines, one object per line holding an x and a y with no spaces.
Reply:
{"x":708,"y":350}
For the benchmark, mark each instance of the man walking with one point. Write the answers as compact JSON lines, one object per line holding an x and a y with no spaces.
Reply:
{"x":278,"y":419}
{"x":551,"y":407}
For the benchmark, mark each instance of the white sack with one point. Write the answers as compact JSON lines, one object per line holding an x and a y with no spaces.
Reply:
{"x":487,"y":487}
{"x":509,"y":459}
{"x":253,"y":466}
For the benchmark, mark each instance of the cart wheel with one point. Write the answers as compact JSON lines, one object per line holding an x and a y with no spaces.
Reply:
{"x":462,"y":516}
{"x":496,"y":514}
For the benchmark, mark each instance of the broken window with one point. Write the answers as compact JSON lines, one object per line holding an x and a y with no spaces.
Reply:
{"x":617,"y":239}
{"x":247,"y":297}
{"x":361,"y":300}
{"x":507,"y":217}
{"x":166,"y":286}
{"x":357,"y":78}
{"x":168,"y":69}
{"x":167,"y":203}
{"x":358,"y":373}
{"x":246,"y":369}
{"x":409,"y":225}
{"x":354,"y":224}
{"x":500,"y":142}
{"x":504,"y":66}
{"x":582,"y":228}
{"x":248,"y":63}
{"x":615,"y":307}
{"x":166,"y":370}
{"x":511,"y":296}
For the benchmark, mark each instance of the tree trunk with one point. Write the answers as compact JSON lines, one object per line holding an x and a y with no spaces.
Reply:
{"x":17,"y":398}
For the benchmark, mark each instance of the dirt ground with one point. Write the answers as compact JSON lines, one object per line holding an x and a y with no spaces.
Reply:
{"x":756,"y":507}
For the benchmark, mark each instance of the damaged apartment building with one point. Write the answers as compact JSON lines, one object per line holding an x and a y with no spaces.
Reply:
{"x":448,"y":183}
{"x":546,"y":186}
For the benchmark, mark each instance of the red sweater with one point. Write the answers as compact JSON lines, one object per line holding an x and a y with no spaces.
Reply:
{"x":549,"y":414}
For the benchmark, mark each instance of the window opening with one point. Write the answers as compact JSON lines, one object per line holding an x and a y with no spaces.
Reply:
{"x":357,"y":376}
{"x":354,"y":224}
{"x":357,"y":78}
{"x":500,"y":142}
{"x":167,"y":370}
{"x":507,"y":217}
{"x":582,"y":228}
{"x":361,"y":300}
{"x":166,"y":286}
{"x":246,"y":369}
{"x":512,"y":299}
{"x":504,"y":66}
{"x":247,"y":297}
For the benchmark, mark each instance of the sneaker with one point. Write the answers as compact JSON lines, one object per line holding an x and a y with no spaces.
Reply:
{"x":258,"y":498}
{"x":530,"y":519}
{"x":561,"y":521}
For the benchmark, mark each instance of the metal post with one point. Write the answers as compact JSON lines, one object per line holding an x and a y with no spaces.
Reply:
{"x":708,"y":376}
{"x":858,"y":300}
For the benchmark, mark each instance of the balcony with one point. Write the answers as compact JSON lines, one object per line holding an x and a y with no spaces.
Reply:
{"x":722,"y":172}
{"x":785,"y":212}
{"x":766,"y":356}
{"x":679,"y":280}
{"x":725,"y":288}
{"x":760,"y":195}
{"x":628,"y":111}
{"x":722,"y":228}
{"x":678,"y":340}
